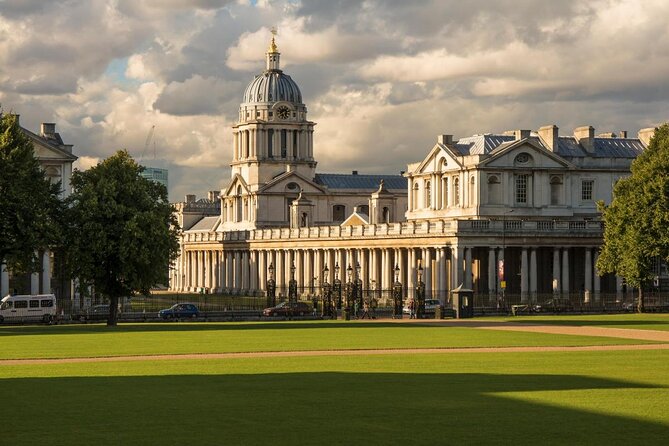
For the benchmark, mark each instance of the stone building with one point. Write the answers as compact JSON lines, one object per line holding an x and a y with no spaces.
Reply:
{"x":56,"y":158}
{"x":510,"y":213}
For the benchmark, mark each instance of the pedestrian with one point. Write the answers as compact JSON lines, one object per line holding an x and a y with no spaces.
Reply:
{"x":412,"y":309}
{"x":315,"y":306}
{"x":356,"y":305}
{"x":365,"y":311}
{"x":373,"y":304}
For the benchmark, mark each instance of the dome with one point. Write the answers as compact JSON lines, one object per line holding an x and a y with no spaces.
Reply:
{"x":273,"y":86}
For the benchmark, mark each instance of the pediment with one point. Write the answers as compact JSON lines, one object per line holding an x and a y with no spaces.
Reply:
{"x":537,"y":157}
{"x":45,"y":152}
{"x":281,"y":184}
{"x":441,"y":158}
{"x":236,"y":181}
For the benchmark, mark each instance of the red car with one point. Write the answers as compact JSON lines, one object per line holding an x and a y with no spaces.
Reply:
{"x":283,"y":309}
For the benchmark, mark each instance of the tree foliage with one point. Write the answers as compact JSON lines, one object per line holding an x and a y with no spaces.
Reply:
{"x":124,"y":234}
{"x":636,"y":223}
{"x":30,"y":204}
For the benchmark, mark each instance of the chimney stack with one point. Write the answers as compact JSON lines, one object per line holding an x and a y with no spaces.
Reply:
{"x":622,"y":134}
{"x":586,"y":137}
{"x":190,"y":198}
{"x":48,"y":129}
{"x":445,"y":139}
{"x":213,"y":195}
{"x":549,"y":134}
{"x":521,"y":134}
{"x":645,"y":135}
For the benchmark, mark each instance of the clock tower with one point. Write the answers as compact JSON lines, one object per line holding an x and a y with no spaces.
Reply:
{"x":272,"y":134}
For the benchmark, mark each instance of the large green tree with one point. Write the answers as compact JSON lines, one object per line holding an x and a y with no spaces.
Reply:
{"x":29,"y":202}
{"x":636,"y":223}
{"x":124,"y":233}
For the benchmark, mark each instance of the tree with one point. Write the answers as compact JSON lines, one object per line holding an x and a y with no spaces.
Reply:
{"x":636,"y":224}
{"x":30,"y":204}
{"x":124,"y":233}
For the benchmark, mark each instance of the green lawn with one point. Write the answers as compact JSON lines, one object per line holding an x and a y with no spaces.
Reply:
{"x":646,"y":321}
{"x":565,"y":398}
{"x":62,"y":341}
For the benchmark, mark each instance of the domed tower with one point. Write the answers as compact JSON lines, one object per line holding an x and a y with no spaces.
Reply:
{"x":273,"y":134}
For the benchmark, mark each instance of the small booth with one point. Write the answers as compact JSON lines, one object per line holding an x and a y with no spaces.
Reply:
{"x":463,"y":302}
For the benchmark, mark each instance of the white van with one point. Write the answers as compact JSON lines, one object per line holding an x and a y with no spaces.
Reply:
{"x":26,"y":307}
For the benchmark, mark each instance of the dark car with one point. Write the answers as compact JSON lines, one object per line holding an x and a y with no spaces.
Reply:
{"x":554,"y":305}
{"x":284,"y":309}
{"x":95,"y":313}
{"x":179,"y":311}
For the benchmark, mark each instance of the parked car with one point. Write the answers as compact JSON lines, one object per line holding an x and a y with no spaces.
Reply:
{"x":179,"y":311}
{"x":431,"y":306}
{"x":554,"y":305}
{"x":95,"y":313}
{"x":284,"y":309}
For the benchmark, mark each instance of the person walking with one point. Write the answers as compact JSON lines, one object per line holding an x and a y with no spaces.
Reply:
{"x":373,"y":304}
{"x":356,"y":307}
{"x":412,"y":309}
{"x":365,"y":311}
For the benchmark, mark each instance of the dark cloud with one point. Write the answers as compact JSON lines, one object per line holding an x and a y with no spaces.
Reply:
{"x":198,"y":96}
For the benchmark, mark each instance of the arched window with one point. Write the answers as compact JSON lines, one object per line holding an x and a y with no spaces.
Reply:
{"x":444,"y":192}
{"x":239,"y":204}
{"x":284,"y":143}
{"x":414,"y":198}
{"x":304,"y":221}
{"x":247,"y":143}
{"x":338,"y":213}
{"x":270,"y":143}
{"x":295,"y":147}
{"x":386,"y":215}
{"x":456,"y":191}
{"x":556,"y":190}
{"x":428,"y":195}
{"x":363,"y":209}
{"x":472,"y":191}
{"x":494,"y":190}
{"x":224,"y":214}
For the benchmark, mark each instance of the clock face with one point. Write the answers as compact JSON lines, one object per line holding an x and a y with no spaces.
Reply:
{"x":283,"y":112}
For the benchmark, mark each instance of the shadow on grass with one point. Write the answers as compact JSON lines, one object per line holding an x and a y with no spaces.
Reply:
{"x":191,"y":327}
{"x":314,"y":408}
{"x":565,"y":320}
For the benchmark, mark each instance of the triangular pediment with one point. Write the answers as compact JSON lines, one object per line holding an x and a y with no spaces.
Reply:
{"x":539,"y":157}
{"x":280,"y":184}
{"x":45,"y":151}
{"x":237,"y":180}
{"x":356,"y":219}
{"x":439,"y":159}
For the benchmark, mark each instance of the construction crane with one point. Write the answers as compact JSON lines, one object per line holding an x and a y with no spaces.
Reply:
{"x":149,"y":137}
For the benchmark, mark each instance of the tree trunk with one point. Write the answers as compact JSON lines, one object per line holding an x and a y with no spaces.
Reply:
{"x":113,"y":311}
{"x":640,"y":300}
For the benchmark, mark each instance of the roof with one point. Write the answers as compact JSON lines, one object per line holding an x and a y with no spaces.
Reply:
{"x":481,"y":144}
{"x":569,"y":147}
{"x":206,"y":224}
{"x":351,"y":181}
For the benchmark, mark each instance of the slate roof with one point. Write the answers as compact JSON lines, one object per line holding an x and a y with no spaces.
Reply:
{"x":206,"y":224}
{"x":350,"y":181}
{"x":568,"y":147}
{"x":481,"y":144}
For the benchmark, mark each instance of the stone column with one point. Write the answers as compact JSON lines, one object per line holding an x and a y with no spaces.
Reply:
{"x":411,"y":270}
{"x":458,"y":273}
{"x":565,"y":272}
{"x":239,"y":283}
{"x":533,"y":274}
{"x":229,"y":271}
{"x":556,"y":270}
{"x":492,"y":273}
{"x":206,"y":282}
{"x":588,"y":274}
{"x":278,"y":271}
{"x":214,"y":272}
{"x":402,"y":263}
{"x":468,"y":273}
{"x":427,"y":273}
{"x":299,"y":270}
{"x":253,"y":274}
{"x":4,"y":280}
{"x":34,"y":280}
{"x":364,"y":268}
{"x":46,"y":273}
{"x":524,"y":276}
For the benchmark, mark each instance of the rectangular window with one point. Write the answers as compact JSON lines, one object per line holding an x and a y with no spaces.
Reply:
{"x":34,"y":304}
{"x":521,"y":189}
{"x":21,"y":304}
{"x":46,"y":303}
{"x":586,"y":190}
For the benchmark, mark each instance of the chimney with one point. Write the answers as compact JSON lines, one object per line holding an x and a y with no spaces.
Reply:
{"x":645,"y":135}
{"x":354,"y":172}
{"x":622,"y":134}
{"x":48,"y":129}
{"x":586,"y":137}
{"x":521,"y":134}
{"x":549,"y":134}
{"x":212,"y":195}
{"x":445,"y":139}
{"x":190,"y":198}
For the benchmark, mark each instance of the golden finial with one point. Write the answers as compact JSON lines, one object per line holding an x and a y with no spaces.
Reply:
{"x":272,"y":46}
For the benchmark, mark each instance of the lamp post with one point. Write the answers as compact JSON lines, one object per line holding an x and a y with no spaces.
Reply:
{"x":271,"y":287}
{"x":357,"y":283}
{"x":349,"y":292}
{"x":327,"y":294}
{"x":336,"y":287}
{"x":292,"y":291}
{"x":420,"y":293}
{"x":397,"y":294}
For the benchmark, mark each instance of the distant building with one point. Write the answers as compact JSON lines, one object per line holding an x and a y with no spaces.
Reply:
{"x":156,"y":174}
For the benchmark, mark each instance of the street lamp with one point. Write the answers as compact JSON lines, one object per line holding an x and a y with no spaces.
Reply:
{"x":397,"y":294}
{"x":327,"y":294}
{"x":292,"y":291}
{"x":349,"y":292}
{"x":271,"y":287}
{"x":420,"y":293}
{"x":357,"y":285}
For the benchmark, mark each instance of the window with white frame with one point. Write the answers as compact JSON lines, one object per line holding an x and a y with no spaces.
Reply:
{"x":586,"y":189}
{"x":428,"y":195}
{"x":456,"y":191}
{"x":521,"y":188}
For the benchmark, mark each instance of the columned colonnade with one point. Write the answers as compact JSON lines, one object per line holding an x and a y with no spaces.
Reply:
{"x":37,"y":286}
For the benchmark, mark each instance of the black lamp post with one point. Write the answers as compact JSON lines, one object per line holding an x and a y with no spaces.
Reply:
{"x":349,"y":293}
{"x":357,"y":282}
{"x":292,"y":291}
{"x":397,"y":294}
{"x":420,"y":293}
{"x":336,"y":288}
{"x":327,"y":294}
{"x":271,"y":287}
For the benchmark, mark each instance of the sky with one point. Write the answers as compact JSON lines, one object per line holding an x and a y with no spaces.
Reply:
{"x":380,"y":78}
